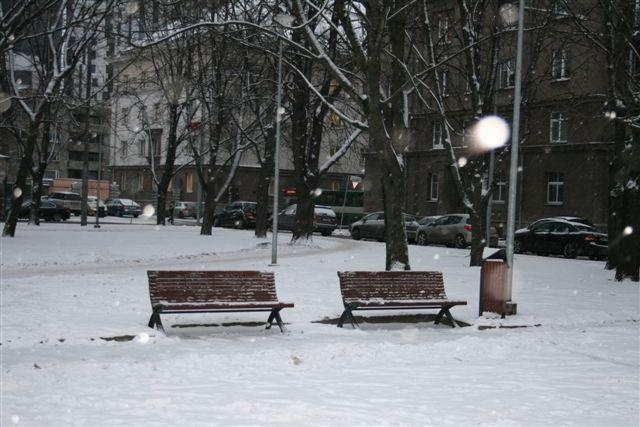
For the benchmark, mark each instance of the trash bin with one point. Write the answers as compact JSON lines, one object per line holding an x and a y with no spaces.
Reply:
{"x":493,"y":285}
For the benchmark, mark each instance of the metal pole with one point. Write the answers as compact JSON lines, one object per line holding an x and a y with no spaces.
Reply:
{"x":490,"y":201}
{"x":344,"y":202}
{"x":97,"y":213}
{"x":199,"y":195}
{"x":513,"y":172}
{"x":276,"y":163}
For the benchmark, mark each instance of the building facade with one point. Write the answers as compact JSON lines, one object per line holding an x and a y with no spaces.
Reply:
{"x":566,"y":138}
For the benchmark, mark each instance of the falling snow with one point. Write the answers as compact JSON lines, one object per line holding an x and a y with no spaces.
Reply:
{"x":76,"y":349}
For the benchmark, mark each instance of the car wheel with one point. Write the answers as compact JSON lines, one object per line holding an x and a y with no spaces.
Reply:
{"x":57,"y":217}
{"x":326,"y":233}
{"x":517,"y":247}
{"x":459,"y":242}
{"x":569,"y":250}
{"x":120,"y":213}
{"x":180,"y":215}
{"x":239,"y":223}
{"x":135,"y":216}
{"x":355,"y":234}
{"x":421,"y":239}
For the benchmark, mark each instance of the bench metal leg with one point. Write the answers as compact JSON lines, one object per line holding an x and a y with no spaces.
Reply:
{"x":445,"y":312}
{"x":347,"y":314}
{"x":275,"y":314}
{"x":155,"y":319}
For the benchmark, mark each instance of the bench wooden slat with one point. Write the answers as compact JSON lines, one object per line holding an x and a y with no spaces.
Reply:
{"x":363,"y":290}
{"x":192,"y":291}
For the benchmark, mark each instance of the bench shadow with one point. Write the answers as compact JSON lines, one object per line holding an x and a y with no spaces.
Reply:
{"x":396,"y":318}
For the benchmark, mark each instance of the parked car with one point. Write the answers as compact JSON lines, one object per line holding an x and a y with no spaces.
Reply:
{"x":427,"y":219}
{"x":451,"y":230}
{"x":123,"y":207}
{"x":238,"y":214}
{"x":371,"y":226}
{"x":185,"y":210}
{"x":68,"y":199}
{"x":49,"y":211}
{"x":91,"y":206}
{"x":558,"y":236}
{"x":324,"y":219}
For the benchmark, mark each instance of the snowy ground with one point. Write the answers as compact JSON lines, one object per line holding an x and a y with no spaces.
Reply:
{"x":66,"y":289}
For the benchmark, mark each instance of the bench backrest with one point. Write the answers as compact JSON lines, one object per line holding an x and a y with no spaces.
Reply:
{"x":391,"y":285}
{"x":211,"y":286}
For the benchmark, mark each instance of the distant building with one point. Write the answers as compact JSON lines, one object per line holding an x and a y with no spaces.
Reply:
{"x":566,"y":140}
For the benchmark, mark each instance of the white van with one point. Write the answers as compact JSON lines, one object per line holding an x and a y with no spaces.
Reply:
{"x":69,"y":200}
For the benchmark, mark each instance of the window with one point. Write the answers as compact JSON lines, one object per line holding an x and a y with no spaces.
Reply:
{"x":559,"y":124}
{"x":444,"y":30}
{"x":157,"y":113}
{"x":499,"y":189}
{"x":560,"y":64}
{"x":125,"y":115}
{"x":438,"y":135}
{"x":466,"y":129}
{"x":433,"y":187}
{"x":156,"y":141}
{"x":634,"y":63}
{"x":334,"y":119}
{"x":555,"y":188}
{"x":189,"y":177}
{"x":561,"y":8}
{"x":142,"y":144}
{"x":443,"y":77}
{"x":133,"y":183}
{"x":506,"y":74}
{"x":124,"y":149}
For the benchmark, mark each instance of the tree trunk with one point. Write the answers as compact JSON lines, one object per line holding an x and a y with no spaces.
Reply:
{"x":383,"y":126}
{"x":397,"y":250}
{"x":305,"y":209}
{"x":209,"y":209}
{"x":24,"y":170}
{"x":167,"y":171}
{"x":477,"y":216}
{"x":262,"y":196}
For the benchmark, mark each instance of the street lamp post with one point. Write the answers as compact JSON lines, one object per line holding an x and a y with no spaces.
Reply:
{"x":285,"y":21}
{"x":97,"y":212}
{"x":513,"y":171}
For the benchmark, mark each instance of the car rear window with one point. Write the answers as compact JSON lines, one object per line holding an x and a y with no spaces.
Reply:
{"x":325,"y":211}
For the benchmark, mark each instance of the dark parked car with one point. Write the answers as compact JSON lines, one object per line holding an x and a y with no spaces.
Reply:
{"x":371,"y":226}
{"x":123,"y":207}
{"x":49,"y":211}
{"x":557,"y":236}
{"x":238,"y":215}
{"x":450,"y":230}
{"x":324,"y":219}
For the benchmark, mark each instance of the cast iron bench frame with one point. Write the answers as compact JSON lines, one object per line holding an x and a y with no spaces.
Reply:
{"x":394,"y":290}
{"x":213,"y":291}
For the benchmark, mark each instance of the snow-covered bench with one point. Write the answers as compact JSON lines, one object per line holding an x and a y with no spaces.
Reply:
{"x":386,"y":290}
{"x":213,"y":291}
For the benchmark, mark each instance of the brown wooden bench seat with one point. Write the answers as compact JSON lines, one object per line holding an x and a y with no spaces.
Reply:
{"x":387,"y":290}
{"x":213,"y":291}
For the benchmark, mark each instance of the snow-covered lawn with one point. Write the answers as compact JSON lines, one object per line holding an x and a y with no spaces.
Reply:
{"x":64,"y":289}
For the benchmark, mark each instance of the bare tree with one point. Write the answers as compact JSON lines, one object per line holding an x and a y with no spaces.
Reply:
{"x":53,"y":44}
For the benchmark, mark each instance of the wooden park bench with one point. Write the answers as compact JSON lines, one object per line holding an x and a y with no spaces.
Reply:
{"x":388,"y":290}
{"x":213,"y":291}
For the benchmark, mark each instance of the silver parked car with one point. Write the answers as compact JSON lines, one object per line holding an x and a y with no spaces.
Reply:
{"x":450,"y":230}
